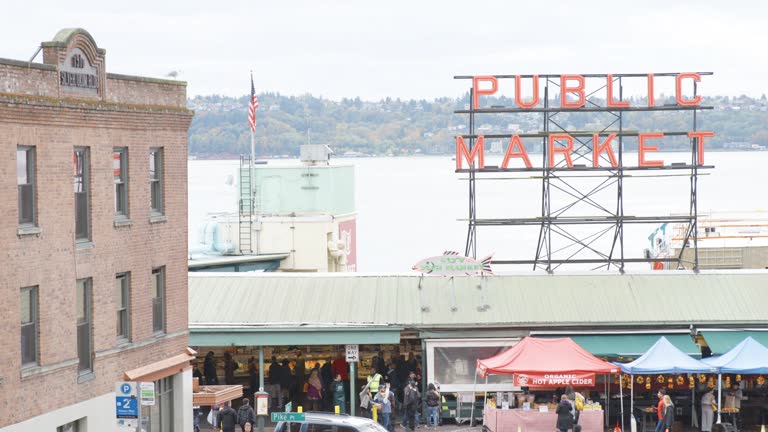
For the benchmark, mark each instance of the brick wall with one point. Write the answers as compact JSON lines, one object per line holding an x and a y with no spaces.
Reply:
{"x":33,"y":116}
{"x":146,"y":91}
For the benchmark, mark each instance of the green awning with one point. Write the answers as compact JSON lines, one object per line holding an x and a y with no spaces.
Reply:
{"x":630,"y":345}
{"x":721,"y":342}
{"x":286,"y":336}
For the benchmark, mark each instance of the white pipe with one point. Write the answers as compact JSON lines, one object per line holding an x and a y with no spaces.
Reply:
{"x":719,"y":396}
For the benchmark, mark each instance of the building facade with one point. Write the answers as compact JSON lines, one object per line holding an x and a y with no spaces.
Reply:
{"x":93,"y":280}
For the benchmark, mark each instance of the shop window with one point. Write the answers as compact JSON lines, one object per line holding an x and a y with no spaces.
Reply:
{"x":158,"y":300}
{"x":156,"y":181}
{"x":82,"y":194}
{"x":122,"y":302}
{"x":75,"y":426}
{"x":161,"y":413}
{"x":84,"y":344}
{"x":25,"y":181}
{"x":120,"y":174}
{"x":29,"y":323}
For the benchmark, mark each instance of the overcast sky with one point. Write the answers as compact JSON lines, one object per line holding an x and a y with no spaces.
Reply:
{"x":403,"y":48}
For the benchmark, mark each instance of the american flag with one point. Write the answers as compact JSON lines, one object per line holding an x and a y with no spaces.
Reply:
{"x":254,"y":105}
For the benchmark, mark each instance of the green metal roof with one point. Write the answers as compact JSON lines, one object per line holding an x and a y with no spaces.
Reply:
{"x":599,"y":300}
{"x":721,"y":341}
{"x":630,"y":345}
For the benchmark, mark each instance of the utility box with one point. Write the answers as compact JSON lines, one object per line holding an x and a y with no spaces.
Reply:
{"x":315,"y":154}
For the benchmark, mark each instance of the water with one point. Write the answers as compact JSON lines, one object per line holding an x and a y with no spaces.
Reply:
{"x":410,"y":208}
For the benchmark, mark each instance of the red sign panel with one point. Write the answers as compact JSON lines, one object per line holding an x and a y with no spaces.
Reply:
{"x":555,"y":380}
{"x":348,"y":234}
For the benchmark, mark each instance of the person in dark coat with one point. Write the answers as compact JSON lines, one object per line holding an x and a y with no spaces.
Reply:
{"x":564,"y":417}
{"x":209,"y":369}
{"x":326,"y":377}
{"x":669,"y":413}
{"x":227,"y":418}
{"x":230,"y":366}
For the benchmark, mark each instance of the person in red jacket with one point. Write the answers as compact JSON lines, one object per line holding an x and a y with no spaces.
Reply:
{"x":340,"y":366}
{"x":660,"y":410}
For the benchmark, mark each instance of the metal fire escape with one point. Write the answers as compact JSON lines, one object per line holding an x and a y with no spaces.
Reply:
{"x":246,"y":206}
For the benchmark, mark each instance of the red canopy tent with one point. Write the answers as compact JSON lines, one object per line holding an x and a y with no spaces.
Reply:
{"x":539,"y":362}
{"x":544,"y":356}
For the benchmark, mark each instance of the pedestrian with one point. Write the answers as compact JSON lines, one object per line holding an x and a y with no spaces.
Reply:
{"x":564,"y":416}
{"x":326,"y":377}
{"x":227,"y":418}
{"x":374,"y":380}
{"x":314,"y":390}
{"x":383,"y":402}
{"x":209,"y":369}
{"x":381,"y":365}
{"x":707,"y":410}
{"x":433,"y":403}
{"x":230,"y":366}
{"x":286,"y":379}
{"x":300,"y":371}
{"x":411,"y":399}
{"x":275,"y":373}
{"x":337,"y":389}
{"x":365,"y":400}
{"x":669,"y":413}
{"x":411,"y":380}
{"x":197,"y":374}
{"x":253,"y":375}
{"x":660,"y":410}
{"x":246,"y":415}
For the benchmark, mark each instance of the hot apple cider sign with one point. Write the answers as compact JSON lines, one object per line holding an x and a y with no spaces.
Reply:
{"x":575,"y":96}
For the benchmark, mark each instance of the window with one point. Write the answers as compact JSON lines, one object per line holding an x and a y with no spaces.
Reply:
{"x":75,"y":426}
{"x":83,"y":304}
{"x":158,"y":300}
{"x":82,"y":198}
{"x":120,"y":172}
{"x":161,"y":413}
{"x":156,"y":180}
{"x":25,"y":180}
{"x":122,"y":302}
{"x":29,"y":326}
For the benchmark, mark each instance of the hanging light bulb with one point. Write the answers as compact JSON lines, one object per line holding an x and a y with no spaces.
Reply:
{"x":691,"y":382}
{"x":738,"y":377}
{"x":660,"y":379}
{"x":680,"y":380}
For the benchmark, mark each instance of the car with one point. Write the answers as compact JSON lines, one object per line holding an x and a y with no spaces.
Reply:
{"x":327,"y":422}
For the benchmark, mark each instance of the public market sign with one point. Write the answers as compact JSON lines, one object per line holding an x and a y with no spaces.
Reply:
{"x":574,"y":92}
{"x":555,"y":380}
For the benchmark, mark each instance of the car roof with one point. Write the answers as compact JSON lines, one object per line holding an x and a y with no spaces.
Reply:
{"x":317,"y":417}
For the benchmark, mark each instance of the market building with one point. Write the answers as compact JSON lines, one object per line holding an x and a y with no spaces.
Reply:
{"x":448,"y":323}
{"x":94,"y":286}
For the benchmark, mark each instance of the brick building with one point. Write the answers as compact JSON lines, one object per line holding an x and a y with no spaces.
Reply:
{"x":93,"y":269}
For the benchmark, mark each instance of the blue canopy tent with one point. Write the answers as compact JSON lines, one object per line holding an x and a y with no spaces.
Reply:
{"x":661,"y":358}
{"x":748,"y":357}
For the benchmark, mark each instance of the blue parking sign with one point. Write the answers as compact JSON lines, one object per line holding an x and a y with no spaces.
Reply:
{"x":127,"y":407}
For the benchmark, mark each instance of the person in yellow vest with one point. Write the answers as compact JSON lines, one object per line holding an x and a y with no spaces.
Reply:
{"x":374,"y":380}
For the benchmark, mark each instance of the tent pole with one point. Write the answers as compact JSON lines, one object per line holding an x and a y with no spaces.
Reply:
{"x":485,"y":393}
{"x":607,"y":398}
{"x":719,"y":396}
{"x":694,"y":415}
{"x":621,"y":399}
{"x":632,"y":396}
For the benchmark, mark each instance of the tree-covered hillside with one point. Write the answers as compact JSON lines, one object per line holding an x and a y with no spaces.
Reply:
{"x":394,"y":126}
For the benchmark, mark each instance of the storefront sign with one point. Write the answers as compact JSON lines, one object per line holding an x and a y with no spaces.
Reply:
{"x":348,"y":235}
{"x":453,"y":264}
{"x":555,"y":380}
